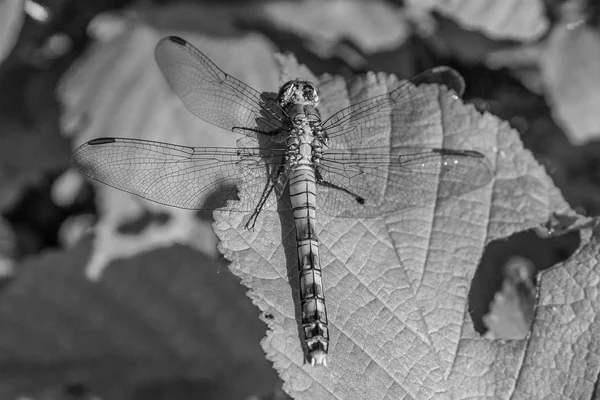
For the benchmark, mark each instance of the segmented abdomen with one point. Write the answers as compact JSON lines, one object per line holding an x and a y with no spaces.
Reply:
{"x":314,"y":316}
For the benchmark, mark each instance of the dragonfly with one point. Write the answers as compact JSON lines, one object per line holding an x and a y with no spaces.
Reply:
{"x":342,"y":160}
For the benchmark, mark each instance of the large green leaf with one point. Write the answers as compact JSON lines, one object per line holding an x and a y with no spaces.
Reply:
{"x":396,"y":288}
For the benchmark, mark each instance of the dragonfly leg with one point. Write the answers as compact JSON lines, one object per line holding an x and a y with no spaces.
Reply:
{"x":321,"y":181}
{"x":263,"y":199}
{"x":244,"y":131}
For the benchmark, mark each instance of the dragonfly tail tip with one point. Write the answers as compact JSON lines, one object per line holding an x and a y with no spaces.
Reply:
{"x":318,"y":358}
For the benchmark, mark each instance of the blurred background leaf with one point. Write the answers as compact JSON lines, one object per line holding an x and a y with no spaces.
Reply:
{"x":11,"y":19}
{"x":570,"y":67}
{"x":161,"y":325}
{"x":506,"y":20}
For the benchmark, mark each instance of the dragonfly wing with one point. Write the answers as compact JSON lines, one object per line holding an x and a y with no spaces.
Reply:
{"x":370,"y":123}
{"x":211,"y":94}
{"x":374,"y":182}
{"x":199,"y":178}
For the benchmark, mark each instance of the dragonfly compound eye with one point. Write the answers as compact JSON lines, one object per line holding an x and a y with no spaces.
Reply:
{"x":298,"y":92}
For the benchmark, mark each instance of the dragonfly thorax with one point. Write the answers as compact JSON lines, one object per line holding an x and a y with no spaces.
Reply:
{"x":302,"y":114}
{"x":298,"y":92}
{"x":304,"y":144}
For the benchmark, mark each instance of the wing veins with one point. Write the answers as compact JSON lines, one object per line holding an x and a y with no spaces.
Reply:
{"x":208,"y":92}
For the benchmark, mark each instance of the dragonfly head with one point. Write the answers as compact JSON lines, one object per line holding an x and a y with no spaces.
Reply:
{"x":298,"y":92}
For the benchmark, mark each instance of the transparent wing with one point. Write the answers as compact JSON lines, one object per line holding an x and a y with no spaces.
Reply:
{"x":374,"y":182}
{"x":199,"y":178}
{"x":370,"y":122}
{"x":211,"y":94}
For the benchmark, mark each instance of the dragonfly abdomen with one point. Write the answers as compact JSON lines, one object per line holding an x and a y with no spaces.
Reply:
{"x":314,"y":315}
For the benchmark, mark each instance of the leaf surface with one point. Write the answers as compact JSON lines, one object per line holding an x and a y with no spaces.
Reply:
{"x":396,"y":289}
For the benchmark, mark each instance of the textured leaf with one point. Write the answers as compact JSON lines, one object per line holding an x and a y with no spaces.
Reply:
{"x":167,"y":321}
{"x":396,"y":289}
{"x":118,"y":90}
{"x":571,"y":70}
{"x":514,"y":19}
